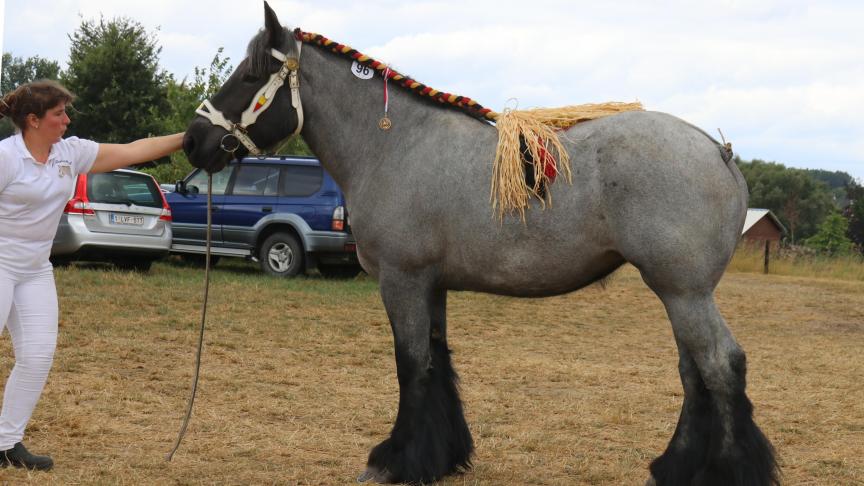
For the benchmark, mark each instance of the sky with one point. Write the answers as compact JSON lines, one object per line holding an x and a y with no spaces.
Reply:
{"x":782,"y":79}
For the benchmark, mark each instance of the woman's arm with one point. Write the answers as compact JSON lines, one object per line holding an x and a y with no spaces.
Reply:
{"x":115,"y":156}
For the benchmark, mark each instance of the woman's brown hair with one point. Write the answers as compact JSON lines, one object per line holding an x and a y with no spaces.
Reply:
{"x":36,"y":97}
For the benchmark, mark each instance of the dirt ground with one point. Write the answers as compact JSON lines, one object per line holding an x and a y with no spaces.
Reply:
{"x":298,"y":379}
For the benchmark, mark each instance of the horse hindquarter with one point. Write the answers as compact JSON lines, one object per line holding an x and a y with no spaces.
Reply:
{"x":678,"y":220}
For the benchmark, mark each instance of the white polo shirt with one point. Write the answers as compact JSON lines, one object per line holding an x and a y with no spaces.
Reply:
{"x":32,"y":198}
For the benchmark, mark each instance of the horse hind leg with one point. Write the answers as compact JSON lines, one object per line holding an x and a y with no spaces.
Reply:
{"x":688,"y":450}
{"x":716,"y":430}
{"x":430,"y":438}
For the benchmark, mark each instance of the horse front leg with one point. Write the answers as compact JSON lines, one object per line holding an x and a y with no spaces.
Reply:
{"x":430,"y":438}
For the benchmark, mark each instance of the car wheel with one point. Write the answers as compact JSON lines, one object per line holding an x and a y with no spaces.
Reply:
{"x":135,"y":265}
{"x":339,"y":271}
{"x":281,"y":255}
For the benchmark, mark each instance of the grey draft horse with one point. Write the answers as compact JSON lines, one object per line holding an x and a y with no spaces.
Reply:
{"x":649,"y":189}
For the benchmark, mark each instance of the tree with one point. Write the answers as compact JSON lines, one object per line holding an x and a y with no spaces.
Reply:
{"x":294,"y":146}
{"x":800,"y":202}
{"x":114,"y":71}
{"x":831,"y":237}
{"x":17,"y":71}
{"x":837,"y":182}
{"x":184,"y":97}
{"x":854,"y":212}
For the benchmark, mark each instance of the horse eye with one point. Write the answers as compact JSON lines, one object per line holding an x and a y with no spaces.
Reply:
{"x":250,"y":78}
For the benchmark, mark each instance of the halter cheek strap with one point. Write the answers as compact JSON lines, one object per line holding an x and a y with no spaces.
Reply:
{"x":260,"y":102}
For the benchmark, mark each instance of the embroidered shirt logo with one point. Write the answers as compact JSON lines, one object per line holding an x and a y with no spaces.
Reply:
{"x":64,"y":168}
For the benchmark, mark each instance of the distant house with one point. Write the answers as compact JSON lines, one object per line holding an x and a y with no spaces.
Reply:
{"x":762,"y":229}
{"x":761,"y":225}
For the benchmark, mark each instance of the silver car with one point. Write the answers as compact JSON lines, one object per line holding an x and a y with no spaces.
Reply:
{"x":120,"y":217}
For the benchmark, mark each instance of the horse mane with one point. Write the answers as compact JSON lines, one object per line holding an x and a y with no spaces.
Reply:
{"x":463,"y":103}
{"x":259,"y":52}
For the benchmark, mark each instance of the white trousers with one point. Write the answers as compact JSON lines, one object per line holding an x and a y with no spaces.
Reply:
{"x":28,"y":307}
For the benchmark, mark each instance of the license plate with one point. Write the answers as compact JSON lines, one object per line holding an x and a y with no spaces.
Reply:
{"x":127,"y":219}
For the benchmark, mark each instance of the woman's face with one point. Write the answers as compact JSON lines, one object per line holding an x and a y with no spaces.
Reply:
{"x":53,"y":125}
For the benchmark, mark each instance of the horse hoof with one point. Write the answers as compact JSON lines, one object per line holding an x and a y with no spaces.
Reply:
{"x":372,"y":474}
{"x":651,"y":481}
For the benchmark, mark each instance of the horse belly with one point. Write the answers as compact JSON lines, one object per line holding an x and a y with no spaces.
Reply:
{"x":550,"y":256}
{"x":529,"y":270}
{"x":531,"y":284}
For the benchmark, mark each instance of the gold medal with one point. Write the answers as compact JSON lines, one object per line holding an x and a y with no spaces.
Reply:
{"x":385,"y":123}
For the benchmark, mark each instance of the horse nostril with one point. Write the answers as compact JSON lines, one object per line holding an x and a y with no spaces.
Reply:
{"x":188,"y":144}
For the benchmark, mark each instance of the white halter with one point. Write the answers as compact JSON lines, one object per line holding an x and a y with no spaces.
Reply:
{"x":260,"y":102}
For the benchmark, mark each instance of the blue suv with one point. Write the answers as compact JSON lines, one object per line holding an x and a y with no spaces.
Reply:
{"x":285,"y":212}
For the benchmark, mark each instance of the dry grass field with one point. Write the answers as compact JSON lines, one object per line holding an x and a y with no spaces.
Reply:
{"x":298,"y":379}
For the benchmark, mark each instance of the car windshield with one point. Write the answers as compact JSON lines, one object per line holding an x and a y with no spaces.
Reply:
{"x":220,"y":181}
{"x":123,"y":188}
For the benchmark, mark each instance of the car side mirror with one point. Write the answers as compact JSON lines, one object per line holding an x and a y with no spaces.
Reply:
{"x":180,"y":187}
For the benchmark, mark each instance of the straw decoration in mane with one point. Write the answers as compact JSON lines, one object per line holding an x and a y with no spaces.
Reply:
{"x":647,"y":189}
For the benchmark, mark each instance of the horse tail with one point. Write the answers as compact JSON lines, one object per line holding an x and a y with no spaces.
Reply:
{"x":728,"y":157}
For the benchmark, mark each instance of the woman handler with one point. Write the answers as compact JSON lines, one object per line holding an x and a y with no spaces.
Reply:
{"x":38,"y":169}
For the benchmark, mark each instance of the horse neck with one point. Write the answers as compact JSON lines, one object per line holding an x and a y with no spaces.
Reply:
{"x":343,"y":112}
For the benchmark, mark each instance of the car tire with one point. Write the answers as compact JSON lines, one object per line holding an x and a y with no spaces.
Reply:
{"x":339,"y":271}
{"x":281,"y":255}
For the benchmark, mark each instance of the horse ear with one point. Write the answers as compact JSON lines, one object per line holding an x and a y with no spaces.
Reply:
{"x":273,"y":27}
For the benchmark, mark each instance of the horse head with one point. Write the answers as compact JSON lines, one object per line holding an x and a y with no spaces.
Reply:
{"x":257,"y":107}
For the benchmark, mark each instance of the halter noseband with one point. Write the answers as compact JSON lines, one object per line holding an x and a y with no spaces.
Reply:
{"x":260,"y":102}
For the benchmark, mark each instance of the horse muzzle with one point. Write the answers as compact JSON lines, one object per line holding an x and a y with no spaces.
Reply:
{"x":208,"y":150}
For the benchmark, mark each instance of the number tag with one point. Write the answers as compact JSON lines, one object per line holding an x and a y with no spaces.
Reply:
{"x":361,"y":71}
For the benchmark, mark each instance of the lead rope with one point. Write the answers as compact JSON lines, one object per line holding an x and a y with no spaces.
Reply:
{"x":203,"y":319}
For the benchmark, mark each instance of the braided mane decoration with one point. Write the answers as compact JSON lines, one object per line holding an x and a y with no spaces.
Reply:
{"x":536,"y":128}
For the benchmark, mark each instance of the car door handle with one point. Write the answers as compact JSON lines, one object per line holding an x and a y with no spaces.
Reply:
{"x":215,"y":208}
{"x":266,"y":209}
